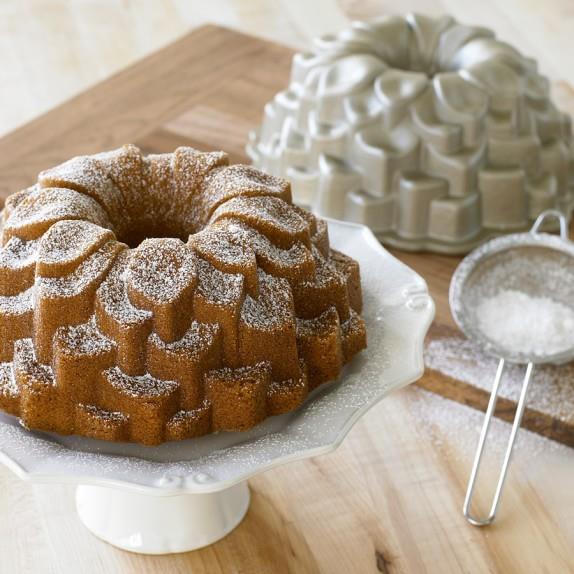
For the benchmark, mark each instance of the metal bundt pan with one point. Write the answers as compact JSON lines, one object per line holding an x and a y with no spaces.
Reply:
{"x":435,"y":134}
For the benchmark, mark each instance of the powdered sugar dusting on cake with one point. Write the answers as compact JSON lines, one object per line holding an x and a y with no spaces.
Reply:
{"x":198,"y":337}
{"x":277,"y":387}
{"x":325,"y":272}
{"x":25,"y":360}
{"x":353,"y":324}
{"x":322,"y":324}
{"x":295,"y":259}
{"x":84,"y":339}
{"x":71,"y":240}
{"x":245,"y":372}
{"x":190,"y":167}
{"x":186,"y":416}
{"x":143,"y":386}
{"x":124,"y":167}
{"x":35,"y":214}
{"x":218,"y":287}
{"x":12,"y":201}
{"x":161,"y":269}
{"x":269,"y":215}
{"x":223,"y":184}
{"x":218,"y":246}
{"x":8,"y":384}
{"x":89,"y":272}
{"x":18,"y":304}
{"x":112,"y":295}
{"x":110,"y":417}
{"x":82,"y":173}
{"x":18,"y":253}
{"x":273,"y":307}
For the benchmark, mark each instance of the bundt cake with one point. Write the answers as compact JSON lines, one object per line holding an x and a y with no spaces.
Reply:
{"x":436,"y":134}
{"x":160,"y":298}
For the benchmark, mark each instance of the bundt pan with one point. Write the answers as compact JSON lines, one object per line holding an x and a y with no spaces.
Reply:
{"x":435,"y":134}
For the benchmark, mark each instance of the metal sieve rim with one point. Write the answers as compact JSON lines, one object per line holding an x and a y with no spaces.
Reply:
{"x":470,"y":263}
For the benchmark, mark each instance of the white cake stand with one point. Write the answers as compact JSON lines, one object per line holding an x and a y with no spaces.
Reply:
{"x":184,"y":495}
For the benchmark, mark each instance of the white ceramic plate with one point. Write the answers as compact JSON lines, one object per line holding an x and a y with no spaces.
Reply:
{"x":398,"y":312}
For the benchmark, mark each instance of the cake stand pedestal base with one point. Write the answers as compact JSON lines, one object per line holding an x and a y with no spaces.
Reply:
{"x":150,"y":524}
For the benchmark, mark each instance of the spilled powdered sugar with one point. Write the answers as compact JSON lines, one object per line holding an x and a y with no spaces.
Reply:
{"x":551,"y":390}
{"x":439,"y":417}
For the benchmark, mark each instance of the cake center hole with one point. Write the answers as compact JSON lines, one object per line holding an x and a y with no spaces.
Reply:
{"x":134,"y":237}
{"x":164,"y":218}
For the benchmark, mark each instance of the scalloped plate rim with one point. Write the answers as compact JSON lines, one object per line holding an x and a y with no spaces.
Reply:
{"x":26,"y":470}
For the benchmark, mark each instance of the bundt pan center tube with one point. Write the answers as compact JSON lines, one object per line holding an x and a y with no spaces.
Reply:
{"x":159,"y":298}
{"x":435,"y":134}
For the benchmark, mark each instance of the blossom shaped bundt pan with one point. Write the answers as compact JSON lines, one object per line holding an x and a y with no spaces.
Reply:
{"x":435,"y":134}
{"x":232,"y":309}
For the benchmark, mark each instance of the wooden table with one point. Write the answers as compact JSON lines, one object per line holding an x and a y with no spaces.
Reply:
{"x":389,"y":499}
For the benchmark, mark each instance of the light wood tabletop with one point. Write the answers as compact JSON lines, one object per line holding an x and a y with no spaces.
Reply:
{"x":389,"y":499}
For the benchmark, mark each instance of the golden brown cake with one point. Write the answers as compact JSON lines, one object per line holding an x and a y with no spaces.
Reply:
{"x":165,"y":297}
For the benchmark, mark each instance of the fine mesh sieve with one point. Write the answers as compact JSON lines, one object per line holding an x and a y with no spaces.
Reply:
{"x":537,"y":264}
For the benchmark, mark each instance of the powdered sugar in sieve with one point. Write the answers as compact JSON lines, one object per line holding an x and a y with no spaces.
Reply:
{"x":505,"y":293}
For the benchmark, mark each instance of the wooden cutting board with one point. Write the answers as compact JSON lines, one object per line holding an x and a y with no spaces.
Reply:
{"x":458,"y":370}
{"x":208,"y":90}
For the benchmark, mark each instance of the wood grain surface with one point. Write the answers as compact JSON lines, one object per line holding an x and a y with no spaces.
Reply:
{"x":389,"y":499}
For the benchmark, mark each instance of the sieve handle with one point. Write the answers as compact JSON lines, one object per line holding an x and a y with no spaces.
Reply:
{"x":551,"y":213}
{"x":482,"y":441}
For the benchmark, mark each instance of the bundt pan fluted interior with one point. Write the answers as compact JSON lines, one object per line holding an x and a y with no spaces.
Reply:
{"x":435,"y":134}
